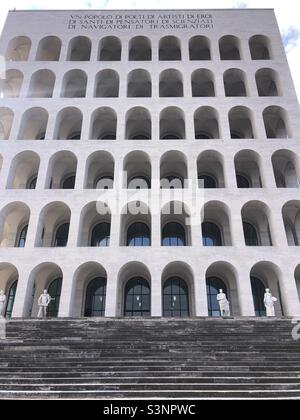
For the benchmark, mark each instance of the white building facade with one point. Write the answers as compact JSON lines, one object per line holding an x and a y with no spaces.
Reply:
{"x":153,"y":112}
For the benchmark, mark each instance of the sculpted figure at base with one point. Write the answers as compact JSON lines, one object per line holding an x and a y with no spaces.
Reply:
{"x":269,"y":301}
{"x":43,"y":303}
{"x":2,"y":303}
{"x":223,"y":303}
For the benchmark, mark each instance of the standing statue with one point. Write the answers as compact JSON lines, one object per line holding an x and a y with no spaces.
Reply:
{"x":43,"y":303}
{"x":2,"y":303}
{"x":269,"y":301}
{"x":223,"y":303}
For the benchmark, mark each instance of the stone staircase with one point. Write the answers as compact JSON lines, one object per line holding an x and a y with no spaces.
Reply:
{"x":150,"y":359}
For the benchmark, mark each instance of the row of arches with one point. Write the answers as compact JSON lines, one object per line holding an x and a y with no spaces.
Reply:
{"x":139,"y":83}
{"x":89,"y":289}
{"x":140,"y":48}
{"x":136,"y":225}
{"x":137,"y":167}
{"x":138,"y":124}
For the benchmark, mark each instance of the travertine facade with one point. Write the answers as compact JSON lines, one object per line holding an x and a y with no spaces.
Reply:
{"x":172,"y":95}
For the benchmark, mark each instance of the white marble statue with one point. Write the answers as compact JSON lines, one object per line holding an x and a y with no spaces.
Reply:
{"x":269,"y":301}
{"x":2,"y":303}
{"x":43,"y":303}
{"x":223,"y":303}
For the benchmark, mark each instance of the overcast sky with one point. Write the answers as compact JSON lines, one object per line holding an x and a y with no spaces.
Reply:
{"x":287,"y":12}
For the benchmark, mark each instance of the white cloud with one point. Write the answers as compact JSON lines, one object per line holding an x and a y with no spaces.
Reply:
{"x":286,"y":11}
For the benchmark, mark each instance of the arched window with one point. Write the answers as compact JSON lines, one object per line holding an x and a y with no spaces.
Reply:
{"x":11,"y":85}
{"x":258,"y":293}
{"x":107,"y":84}
{"x":210,"y":170}
{"x":248,"y":165}
{"x":69,"y":183}
{"x":211,"y":234}
{"x":103,"y":124}
{"x":199,"y":47}
{"x":54,"y":291}
{"x":138,"y":234}
{"x":95,"y":298}
{"x":139,"y":84}
{"x":42,"y":84}
{"x":6,"y":120}
{"x":206,"y":181}
{"x":79,"y":49}
{"x":61,"y":237}
{"x":242,"y":181}
{"x":170,"y":84}
{"x":18,"y":49}
{"x":241,"y":123}
{"x":22,"y":237}
{"x":173,"y":234}
{"x":291,"y":220}
{"x":213,"y":285}
{"x":203,"y":83}
{"x":74,"y":84}
{"x":100,"y":235}
{"x":140,"y":49}
{"x":229,"y":48}
{"x":256,"y":215}
{"x":284,"y":167}
{"x":169,"y":49}
{"x":235,"y":83}
{"x":138,"y":124}
{"x":172,"y":124}
{"x":175,"y":298}
{"x":206,"y":122}
{"x":68,"y":124}
{"x":267,"y":82}
{"x":13,"y":219}
{"x":34,"y":124}
{"x":276,"y":123}
{"x":260,"y":47}
{"x":110,"y":49}
{"x":250,"y":234}
{"x":11,"y":300}
{"x":137,"y":298}
{"x":49,"y":49}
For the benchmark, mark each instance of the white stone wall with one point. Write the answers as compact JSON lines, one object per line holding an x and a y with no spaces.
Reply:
{"x":78,"y":265}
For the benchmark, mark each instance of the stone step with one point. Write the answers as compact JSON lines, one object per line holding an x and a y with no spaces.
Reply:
{"x":201,"y":347}
{"x":37,"y":347}
{"x":258,"y":375}
{"x":188,"y":334}
{"x":228,"y":358}
{"x":170,"y":352}
{"x":116,"y":369}
{"x":192,"y":380}
{"x":174,"y":330}
{"x":152,"y":387}
{"x":167,"y":354}
{"x":150,"y":358}
{"x":148,"y":395}
{"x":181,"y":361}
